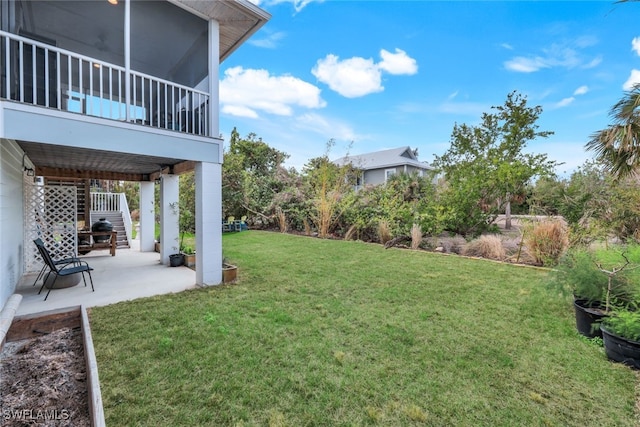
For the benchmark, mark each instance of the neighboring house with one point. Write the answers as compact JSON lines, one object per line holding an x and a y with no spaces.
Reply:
{"x":118,"y":90}
{"x":376,"y":168}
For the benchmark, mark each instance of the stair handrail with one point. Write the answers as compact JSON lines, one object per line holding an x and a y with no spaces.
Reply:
{"x":126,"y":216}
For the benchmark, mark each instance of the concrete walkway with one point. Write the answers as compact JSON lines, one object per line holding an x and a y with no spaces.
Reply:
{"x":129,"y":275}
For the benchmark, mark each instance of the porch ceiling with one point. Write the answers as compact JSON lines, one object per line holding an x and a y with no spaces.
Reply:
{"x":56,"y":161}
{"x":238,"y":19}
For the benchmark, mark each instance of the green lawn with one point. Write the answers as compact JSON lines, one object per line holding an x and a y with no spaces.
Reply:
{"x":333,"y":333}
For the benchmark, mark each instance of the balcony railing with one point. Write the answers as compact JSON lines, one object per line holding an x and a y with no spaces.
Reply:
{"x":37,"y":73}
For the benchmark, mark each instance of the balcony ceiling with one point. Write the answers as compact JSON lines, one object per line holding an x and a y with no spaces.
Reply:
{"x":238,"y":20}
{"x":56,"y":161}
{"x":162,"y":38}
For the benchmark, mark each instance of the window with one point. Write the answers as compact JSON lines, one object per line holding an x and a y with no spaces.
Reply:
{"x":388,"y":173}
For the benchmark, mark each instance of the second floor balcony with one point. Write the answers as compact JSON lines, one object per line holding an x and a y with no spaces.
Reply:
{"x":141,"y":61}
{"x":39,"y":73}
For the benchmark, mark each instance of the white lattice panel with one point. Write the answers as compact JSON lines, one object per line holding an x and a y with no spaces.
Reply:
{"x":50,"y":214}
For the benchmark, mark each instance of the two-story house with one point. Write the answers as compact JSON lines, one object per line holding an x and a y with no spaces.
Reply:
{"x":118,"y":90}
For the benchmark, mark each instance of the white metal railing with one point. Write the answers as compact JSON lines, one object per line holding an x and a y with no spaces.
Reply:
{"x":108,"y":202}
{"x":126,"y":216}
{"x":40,"y":74}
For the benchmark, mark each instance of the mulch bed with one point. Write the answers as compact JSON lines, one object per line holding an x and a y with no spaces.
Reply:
{"x":43,"y":381}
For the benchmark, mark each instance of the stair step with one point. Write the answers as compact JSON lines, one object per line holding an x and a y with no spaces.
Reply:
{"x":116,"y":220}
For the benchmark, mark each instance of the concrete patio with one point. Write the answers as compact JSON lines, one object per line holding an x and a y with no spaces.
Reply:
{"x":129,"y":275}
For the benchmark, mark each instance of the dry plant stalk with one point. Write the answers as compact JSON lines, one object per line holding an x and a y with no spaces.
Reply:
{"x":384,"y":231}
{"x":489,"y":246}
{"x":307,"y":227}
{"x":416,"y":236}
{"x":546,"y":241}
{"x":282,"y":219}
{"x":349,"y":235}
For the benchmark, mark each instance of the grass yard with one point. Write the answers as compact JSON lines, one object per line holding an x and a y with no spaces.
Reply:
{"x":334,"y":333}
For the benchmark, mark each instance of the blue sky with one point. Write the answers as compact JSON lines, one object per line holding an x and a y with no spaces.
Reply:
{"x":374,"y":75}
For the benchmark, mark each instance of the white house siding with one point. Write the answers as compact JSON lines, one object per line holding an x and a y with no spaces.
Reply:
{"x":11,"y":218}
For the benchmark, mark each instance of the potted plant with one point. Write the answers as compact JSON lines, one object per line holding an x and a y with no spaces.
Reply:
{"x":229,"y":272}
{"x":189,"y":255}
{"x":596,"y":288}
{"x":621,"y":337}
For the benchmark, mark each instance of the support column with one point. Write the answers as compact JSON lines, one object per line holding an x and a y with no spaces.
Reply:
{"x":208,"y":181}
{"x":214,"y":80}
{"x":169,"y":215}
{"x":147,"y":217}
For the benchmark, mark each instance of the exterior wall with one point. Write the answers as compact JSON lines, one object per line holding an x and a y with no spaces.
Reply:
{"x":374,"y":177}
{"x":11,"y":218}
{"x":377,"y":176}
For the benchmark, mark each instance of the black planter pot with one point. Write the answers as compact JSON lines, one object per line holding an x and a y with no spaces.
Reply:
{"x":176,"y":260}
{"x":620,"y":349}
{"x":588,"y":318}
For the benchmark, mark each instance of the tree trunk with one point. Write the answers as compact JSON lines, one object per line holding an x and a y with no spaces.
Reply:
{"x":507,"y":213}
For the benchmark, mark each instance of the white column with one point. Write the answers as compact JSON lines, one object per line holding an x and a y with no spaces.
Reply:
{"x":169,"y":214}
{"x":127,"y":56}
{"x":208,"y":180}
{"x":214,"y":79}
{"x":147,"y":217}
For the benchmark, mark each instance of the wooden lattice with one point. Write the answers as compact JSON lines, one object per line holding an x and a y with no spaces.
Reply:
{"x":50,"y":214}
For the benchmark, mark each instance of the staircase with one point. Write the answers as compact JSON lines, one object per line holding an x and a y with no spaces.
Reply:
{"x":115,"y":218}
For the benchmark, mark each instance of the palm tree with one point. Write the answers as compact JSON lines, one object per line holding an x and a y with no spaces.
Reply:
{"x":618,"y":146}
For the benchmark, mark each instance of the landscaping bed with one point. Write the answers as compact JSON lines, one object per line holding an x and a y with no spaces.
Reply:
{"x":44,"y":380}
{"x":48,"y":372}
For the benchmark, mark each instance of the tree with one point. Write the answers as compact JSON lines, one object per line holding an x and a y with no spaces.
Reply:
{"x":325,"y":185}
{"x":618,"y":146}
{"x":486,"y":166}
{"x":250,"y":176}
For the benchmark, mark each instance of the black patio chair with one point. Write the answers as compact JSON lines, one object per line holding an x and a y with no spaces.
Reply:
{"x":45,"y":267}
{"x":61,"y":270}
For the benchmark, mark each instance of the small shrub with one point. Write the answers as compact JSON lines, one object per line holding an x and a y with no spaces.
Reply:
{"x":384,"y":231}
{"x":488,"y":246}
{"x":416,"y":236}
{"x":625,"y":324}
{"x":546,"y":241}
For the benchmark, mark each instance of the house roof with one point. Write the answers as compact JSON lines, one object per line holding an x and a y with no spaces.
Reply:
{"x":385,"y":159}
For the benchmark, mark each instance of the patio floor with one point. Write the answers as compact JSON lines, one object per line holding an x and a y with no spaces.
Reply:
{"x":131,"y":274}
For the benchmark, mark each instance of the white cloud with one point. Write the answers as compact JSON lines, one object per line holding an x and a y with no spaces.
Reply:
{"x":351,"y":77}
{"x":269,"y":42}
{"x":521,"y":64}
{"x":298,"y":5}
{"x":357,"y":76}
{"x":633,"y":80}
{"x":507,"y":46}
{"x":564,"y":102}
{"x":244,"y":92}
{"x":635,"y":45}
{"x":556,"y":55}
{"x":239,"y":111}
{"x":397,"y":63}
{"x":581,"y":90}
{"x":328,"y":128}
